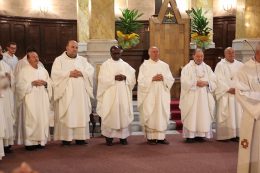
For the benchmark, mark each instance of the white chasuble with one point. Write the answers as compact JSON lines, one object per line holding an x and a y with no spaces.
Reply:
{"x":229,"y":111}
{"x":197,"y":103}
{"x":8,"y":103}
{"x":72,"y":97}
{"x":115,"y":98}
{"x":154,"y":98}
{"x":35,"y":103}
{"x":248,"y":94}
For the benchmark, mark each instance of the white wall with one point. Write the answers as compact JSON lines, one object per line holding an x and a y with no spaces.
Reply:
{"x":61,"y":9}
{"x":219,"y":5}
{"x":67,"y":9}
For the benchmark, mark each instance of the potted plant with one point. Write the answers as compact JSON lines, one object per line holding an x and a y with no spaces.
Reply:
{"x":200,"y":32}
{"x":126,"y":29}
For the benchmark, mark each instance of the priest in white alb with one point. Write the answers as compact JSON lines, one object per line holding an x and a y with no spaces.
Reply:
{"x":8,"y":105}
{"x":116,"y":80}
{"x":197,"y":104}
{"x":4,"y":84}
{"x":72,"y":76}
{"x":34,"y":91}
{"x":24,"y":62}
{"x":248,"y":95}
{"x":229,"y":111}
{"x":9,"y":55}
{"x":18,"y":108}
{"x":154,"y":84}
{"x":2,"y":124}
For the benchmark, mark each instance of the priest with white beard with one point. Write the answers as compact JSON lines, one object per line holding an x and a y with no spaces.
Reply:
{"x":8,"y":104}
{"x":116,"y":80}
{"x":197,"y":104}
{"x":229,"y":111}
{"x":248,"y":95}
{"x":72,"y":76}
{"x":154,"y":84}
{"x":34,"y":91}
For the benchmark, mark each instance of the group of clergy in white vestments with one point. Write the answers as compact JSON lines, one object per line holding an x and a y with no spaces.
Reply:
{"x":230,"y":96}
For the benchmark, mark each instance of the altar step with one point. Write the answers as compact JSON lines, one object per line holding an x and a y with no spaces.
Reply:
{"x":176,"y":114}
{"x":136,"y":126}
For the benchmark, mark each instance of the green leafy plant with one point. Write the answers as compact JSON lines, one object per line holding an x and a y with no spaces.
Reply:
{"x":129,"y":23}
{"x":200,"y":32}
{"x":126,"y":36}
{"x":199,"y":23}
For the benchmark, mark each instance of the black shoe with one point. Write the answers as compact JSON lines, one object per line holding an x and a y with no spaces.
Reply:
{"x":189,"y":140}
{"x":199,"y":139}
{"x":151,"y":141}
{"x":81,"y":142}
{"x":39,"y":146}
{"x":30,"y":148}
{"x":123,"y":141}
{"x":163,"y":142}
{"x":109,"y":141}
{"x":7,"y":149}
{"x":235,"y":139}
{"x":66,"y":143}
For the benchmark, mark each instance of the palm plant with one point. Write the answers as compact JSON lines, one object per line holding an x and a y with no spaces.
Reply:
{"x":129,"y":22}
{"x":199,"y":23}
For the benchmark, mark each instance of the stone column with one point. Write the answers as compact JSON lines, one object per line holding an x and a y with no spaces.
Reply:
{"x":83,"y":25}
{"x":101,"y":30}
{"x":247,"y":28}
{"x":207,"y":6}
{"x":96,"y":28}
{"x":99,"y":33}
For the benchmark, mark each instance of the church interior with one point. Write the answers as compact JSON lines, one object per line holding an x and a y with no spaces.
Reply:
{"x":47,"y":25}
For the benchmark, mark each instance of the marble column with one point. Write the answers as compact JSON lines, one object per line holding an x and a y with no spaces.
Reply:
{"x":99,"y":33}
{"x":247,"y":28}
{"x":83,"y":25}
{"x":207,"y":6}
{"x":101,"y":30}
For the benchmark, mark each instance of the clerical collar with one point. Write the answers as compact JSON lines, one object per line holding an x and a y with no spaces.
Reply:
{"x":229,"y":61}
{"x":70,"y":56}
{"x":116,"y":60}
{"x":153,"y":60}
{"x":197,"y":64}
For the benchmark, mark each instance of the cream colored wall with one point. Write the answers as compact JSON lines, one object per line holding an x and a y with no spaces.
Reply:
{"x":67,"y":9}
{"x":218,"y":7}
{"x":61,"y":9}
{"x":143,"y":6}
{"x":248,"y":19}
{"x":147,"y":7}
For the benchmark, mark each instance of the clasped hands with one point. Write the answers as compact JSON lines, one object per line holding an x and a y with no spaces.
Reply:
{"x":8,"y":76}
{"x":231,"y":91}
{"x":158,"y":77}
{"x":75,"y":73}
{"x":39,"y":83}
{"x":120,"y":77}
{"x":201,"y":83}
